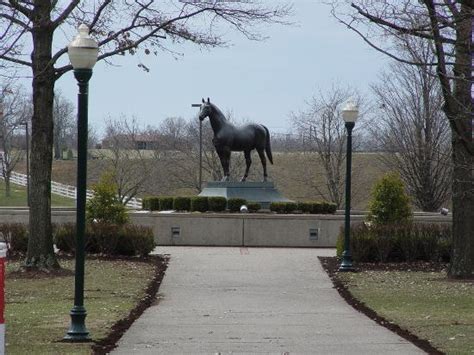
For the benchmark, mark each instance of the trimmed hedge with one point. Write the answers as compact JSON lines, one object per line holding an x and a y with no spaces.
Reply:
{"x":234,"y":204}
{"x":399,"y":242}
{"x":135,"y":240}
{"x":153,"y":203}
{"x":166,"y":203}
{"x":254,"y":207}
{"x":317,"y":207}
{"x":283,"y":207}
{"x":182,"y":203}
{"x":305,"y":207}
{"x":65,"y":238}
{"x":109,"y":239}
{"x":15,"y":236}
{"x":146,"y":203}
{"x":217,"y":203}
{"x":199,"y":204}
{"x":328,"y":207}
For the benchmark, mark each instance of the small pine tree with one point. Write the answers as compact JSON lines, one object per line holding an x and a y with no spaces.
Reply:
{"x":390,"y":203}
{"x":105,"y":206}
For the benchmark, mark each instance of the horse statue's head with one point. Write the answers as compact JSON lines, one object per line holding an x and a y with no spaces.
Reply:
{"x":206,"y":109}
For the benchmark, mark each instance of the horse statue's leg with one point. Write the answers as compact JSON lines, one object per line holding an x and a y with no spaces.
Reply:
{"x":263,"y":159}
{"x":225,"y":161}
{"x":226,"y":165}
{"x":224,"y":157}
{"x":248,"y":162}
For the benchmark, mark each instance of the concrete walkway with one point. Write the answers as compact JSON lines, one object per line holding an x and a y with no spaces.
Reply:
{"x":253,"y":301}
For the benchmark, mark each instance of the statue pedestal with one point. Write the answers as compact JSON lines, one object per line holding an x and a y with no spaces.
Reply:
{"x":261,"y":192}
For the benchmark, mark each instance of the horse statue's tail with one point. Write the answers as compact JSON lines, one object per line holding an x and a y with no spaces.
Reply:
{"x":268,"y":148}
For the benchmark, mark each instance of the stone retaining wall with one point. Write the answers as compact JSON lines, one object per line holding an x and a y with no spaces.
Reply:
{"x":208,"y":229}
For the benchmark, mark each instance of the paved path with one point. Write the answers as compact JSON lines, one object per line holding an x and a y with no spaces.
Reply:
{"x":253,"y":301}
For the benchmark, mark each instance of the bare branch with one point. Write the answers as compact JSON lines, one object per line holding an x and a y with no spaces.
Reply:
{"x":15,"y":20}
{"x":65,"y":14}
{"x":422,"y":32}
{"x":15,"y":60}
{"x":23,"y":9}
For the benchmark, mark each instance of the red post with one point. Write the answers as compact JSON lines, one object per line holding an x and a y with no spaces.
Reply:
{"x":3,"y":255}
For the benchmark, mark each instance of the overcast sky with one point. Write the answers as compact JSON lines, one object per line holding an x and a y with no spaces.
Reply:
{"x":259,"y":81}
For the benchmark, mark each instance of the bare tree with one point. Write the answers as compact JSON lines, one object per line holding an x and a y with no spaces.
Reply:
{"x":447,"y":27}
{"x":288,"y":142}
{"x":120,"y":27}
{"x":178,"y":149}
{"x":414,"y":129}
{"x":13,"y":116}
{"x":323,"y":134}
{"x":64,"y":124}
{"x":175,"y":152}
{"x":123,"y":157}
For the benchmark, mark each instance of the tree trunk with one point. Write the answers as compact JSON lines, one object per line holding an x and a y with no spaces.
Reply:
{"x":459,"y":109}
{"x":462,"y":256}
{"x":7,"y":185}
{"x":40,"y":253}
{"x":57,"y":148}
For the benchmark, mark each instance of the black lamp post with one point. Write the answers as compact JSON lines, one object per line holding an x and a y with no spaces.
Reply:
{"x":83,"y":52}
{"x":349,"y":114}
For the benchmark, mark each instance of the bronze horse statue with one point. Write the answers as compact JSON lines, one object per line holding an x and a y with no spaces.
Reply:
{"x":228,"y":138}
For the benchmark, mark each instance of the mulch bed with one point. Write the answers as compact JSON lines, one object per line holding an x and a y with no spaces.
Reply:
{"x":105,"y":345}
{"x":331,"y":265}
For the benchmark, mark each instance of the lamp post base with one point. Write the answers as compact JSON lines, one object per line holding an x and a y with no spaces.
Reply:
{"x":346,"y":264}
{"x":77,"y":331}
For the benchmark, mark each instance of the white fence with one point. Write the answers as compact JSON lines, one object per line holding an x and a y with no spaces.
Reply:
{"x":67,"y":190}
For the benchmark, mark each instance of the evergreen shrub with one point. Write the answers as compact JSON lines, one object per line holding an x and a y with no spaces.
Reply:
{"x":107,"y":239}
{"x":389,"y":203}
{"x":199,"y":204}
{"x":305,"y":207}
{"x":15,"y":236}
{"x":182,"y":203}
{"x":316,"y":207}
{"x":165,"y":203}
{"x":217,"y":203}
{"x":399,"y":242}
{"x":254,"y":207}
{"x":157,"y":203}
{"x":151,"y":203}
{"x":283,"y":207}
{"x":328,"y":208}
{"x":104,"y":206}
{"x":234,"y":204}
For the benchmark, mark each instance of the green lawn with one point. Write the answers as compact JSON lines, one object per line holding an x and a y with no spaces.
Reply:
{"x":37,"y":309}
{"x":18,"y":197}
{"x":426,"y":303}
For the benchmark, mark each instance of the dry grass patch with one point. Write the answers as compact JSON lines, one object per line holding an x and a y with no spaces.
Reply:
{"x":426,"y":304}
{"x":37,"y":309}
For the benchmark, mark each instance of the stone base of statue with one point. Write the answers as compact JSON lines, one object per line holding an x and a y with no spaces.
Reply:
{"x":262,"y":192}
